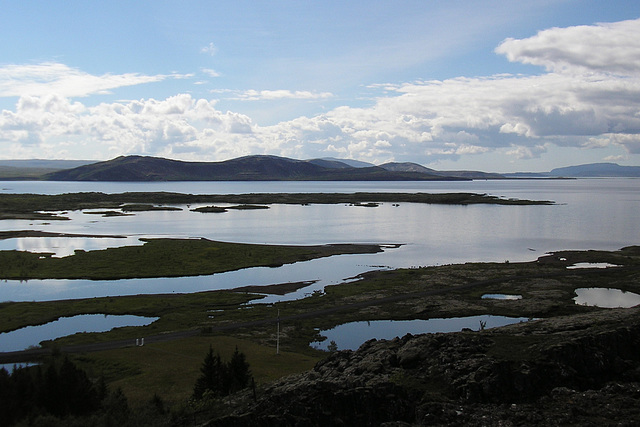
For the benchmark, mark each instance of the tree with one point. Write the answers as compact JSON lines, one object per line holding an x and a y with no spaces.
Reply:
{"x":239,"y":374}
{"x":221,"y":379}
{"x":211,"y":376}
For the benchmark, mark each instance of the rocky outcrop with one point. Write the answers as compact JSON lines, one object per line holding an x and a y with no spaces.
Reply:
{"x":578,"y":370}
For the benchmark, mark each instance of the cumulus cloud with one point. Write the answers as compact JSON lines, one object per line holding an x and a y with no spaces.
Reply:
{"x":607,"y":47}
{"x":145,"y":126}
{"x":50,"y":77}
{"x":586,"y":97}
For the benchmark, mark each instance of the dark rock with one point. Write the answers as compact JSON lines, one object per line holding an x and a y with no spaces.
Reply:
{"x":576,"y":370}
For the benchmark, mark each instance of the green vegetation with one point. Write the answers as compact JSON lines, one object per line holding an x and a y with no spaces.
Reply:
{"x":142,"y":372}
{"x":163,"y":258}
{"x":222,"y":321}
{"x":23,"y":205}
{"x":219,"y":209}
{"x":58,"y":390}
{"x":218,"y":378}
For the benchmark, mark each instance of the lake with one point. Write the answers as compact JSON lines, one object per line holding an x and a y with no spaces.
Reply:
{"x":588,"y":214}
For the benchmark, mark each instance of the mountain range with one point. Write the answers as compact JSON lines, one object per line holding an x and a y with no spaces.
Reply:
{"x":249,"y":168}
{"x":271,"y":168}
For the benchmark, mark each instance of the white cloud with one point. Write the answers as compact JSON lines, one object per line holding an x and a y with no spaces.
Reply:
{"x":608,"y":47}
{"x":210,"y":72}
{"x":270,"y":95}
{"x":49,"y":77}
{"x":210,"y":49}
{"x":587,"y":104}
{"x":618,"y":158}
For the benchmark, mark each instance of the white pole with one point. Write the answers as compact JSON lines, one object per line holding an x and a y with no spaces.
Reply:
{"x":278,"y":335}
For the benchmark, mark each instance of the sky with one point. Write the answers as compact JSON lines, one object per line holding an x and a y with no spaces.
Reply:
{"x":498,"y":86}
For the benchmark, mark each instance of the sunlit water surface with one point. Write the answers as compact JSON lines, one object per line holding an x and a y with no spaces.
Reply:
{"x":588,"y":214}
{"x":606,"y":298}
{"x":33,"y":335}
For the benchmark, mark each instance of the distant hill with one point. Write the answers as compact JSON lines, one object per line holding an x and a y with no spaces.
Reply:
{"x":35,"y":168}
{"x":407,"y":167}
{"x":593,"y":170}
{"x":414,"y":167}
{"x":45,"y":164}
{"x":349,"y":162}
{"x":249,"y":168}
{"x":330,"y":163}
{"x":271,"y":168}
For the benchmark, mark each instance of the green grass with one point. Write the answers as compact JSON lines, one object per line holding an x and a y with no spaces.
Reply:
{"x":175,"y":311}
{"x":10,"y":203}
{"x":163,"y":258}
{"x":170,"y":369}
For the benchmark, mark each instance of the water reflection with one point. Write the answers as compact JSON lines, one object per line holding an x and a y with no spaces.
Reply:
{"x":431,"y":234}
{"x":350,"y":336}
{"x":65,"y":246}
{"x":580,"y":265}
{"x":23,"y":338}
{"x":502,"y":297}
{"x":606,"y":298}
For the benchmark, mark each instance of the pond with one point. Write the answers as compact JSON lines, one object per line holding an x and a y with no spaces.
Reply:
{"x":350,"y":336}
{"x":580,"y":265}
{"x":606,"y":298}
{"x":502,"y":297}
{"x":23,"y":338}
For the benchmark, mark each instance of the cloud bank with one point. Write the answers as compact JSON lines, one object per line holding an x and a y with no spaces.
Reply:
{"x":587,"y":96}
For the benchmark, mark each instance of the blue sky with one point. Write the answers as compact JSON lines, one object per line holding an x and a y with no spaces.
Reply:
{"x":494,"y":85}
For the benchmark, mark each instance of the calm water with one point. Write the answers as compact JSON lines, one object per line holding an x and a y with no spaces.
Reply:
{"x":350,"y":336}
{"x":589,"y":214}
{"x":606,"y":298}
{"x":33,"y":335}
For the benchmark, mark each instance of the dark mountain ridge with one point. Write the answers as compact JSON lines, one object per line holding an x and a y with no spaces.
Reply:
{"x":597,"y":170}
{"x":249,"y":168}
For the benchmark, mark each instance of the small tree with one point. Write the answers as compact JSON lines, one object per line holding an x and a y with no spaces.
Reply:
{"x":212,"y":376}
{"x":239,"y":374}
{"x":221,"y":379}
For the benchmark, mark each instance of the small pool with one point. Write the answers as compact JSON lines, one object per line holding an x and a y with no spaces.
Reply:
{"x":591,"y":265}
{"x":23,"y":338}
{"x":350,"y":336}
{"x":606,"y":298}
{"x":502,"y":297}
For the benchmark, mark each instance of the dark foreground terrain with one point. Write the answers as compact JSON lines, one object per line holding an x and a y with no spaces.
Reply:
{"x":570,"y":364}
{"x":570,"y":370}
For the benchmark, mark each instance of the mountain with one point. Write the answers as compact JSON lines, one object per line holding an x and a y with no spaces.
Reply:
{"x":44,"y":164}
{"x":249,"y":168}
{"x":330,"y":163}
{"x":407,"y":167}
{"x":350,"y":162}
{"x":414,"y":167}
{"x":594,"y":170}
{"x":35,"y":168}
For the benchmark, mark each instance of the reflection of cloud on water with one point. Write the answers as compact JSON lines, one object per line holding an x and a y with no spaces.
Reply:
{"x":606,"y":298}
{"x":32,"y":335}
{"x":352,"y":335}
{"x":326,"y":271}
